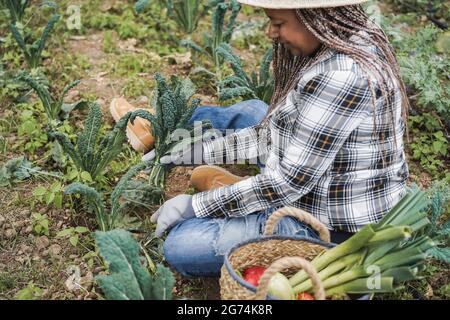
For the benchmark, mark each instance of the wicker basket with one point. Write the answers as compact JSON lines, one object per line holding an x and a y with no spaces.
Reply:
{"x":277,"y":253}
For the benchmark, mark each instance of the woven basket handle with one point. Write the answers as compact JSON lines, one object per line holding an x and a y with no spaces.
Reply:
{"x":301,"y":215}
{"x":286,"y":263}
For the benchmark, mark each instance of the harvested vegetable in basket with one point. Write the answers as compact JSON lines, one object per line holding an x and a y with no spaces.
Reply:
{"x":379,"y":257}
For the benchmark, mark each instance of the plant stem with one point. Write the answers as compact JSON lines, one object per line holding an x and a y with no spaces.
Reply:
{"x":352,"y":245}
{"x":332,"y":269}
{"x":361,"y":286}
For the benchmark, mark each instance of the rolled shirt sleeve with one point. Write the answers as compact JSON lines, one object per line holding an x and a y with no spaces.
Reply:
{"x":329,"y":107}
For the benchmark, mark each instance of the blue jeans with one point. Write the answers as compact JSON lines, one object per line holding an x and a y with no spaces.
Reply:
{"x":195,"y":247}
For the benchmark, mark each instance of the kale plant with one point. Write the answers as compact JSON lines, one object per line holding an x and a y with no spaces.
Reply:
{"x":107,"y":219}
{"x":221,"y":31}
{"x":174,"y":108}
{"x":55,"y":108}
{"x":33,"y":52}
{"x":88,"y":155}
{"x":241,"y":84}
{"x":128,"y":279}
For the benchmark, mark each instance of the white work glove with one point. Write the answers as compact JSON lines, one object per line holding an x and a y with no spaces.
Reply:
{"x":172,"y":212}
{"x":189,"y":156}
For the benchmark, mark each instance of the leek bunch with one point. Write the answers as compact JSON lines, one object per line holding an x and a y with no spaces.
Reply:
{"x":380,"y":256}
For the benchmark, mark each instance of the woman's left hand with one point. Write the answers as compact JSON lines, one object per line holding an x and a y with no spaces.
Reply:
{"x":172,"y":212}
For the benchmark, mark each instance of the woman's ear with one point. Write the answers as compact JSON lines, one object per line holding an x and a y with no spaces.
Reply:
{"x":272,"y":32}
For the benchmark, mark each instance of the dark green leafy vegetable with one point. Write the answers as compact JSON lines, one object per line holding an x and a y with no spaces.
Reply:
{"x":87,"y":154}
{"x":174,"y":109}
{"x":221,"y":31}
{"x":16,"y":9}
{"x":33,"y":52}
{"x":128,"y":279}
{"x":54,"y":107}
{"x":108,"y":220}
{"x":241,"y":84}
{"x":19,"y":169}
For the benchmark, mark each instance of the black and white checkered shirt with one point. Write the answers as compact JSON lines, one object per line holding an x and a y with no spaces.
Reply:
{"x":324,"y":155}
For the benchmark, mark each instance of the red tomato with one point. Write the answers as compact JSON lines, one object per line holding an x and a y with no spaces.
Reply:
{"x":253,"y":274}
{"x":305,"y":296}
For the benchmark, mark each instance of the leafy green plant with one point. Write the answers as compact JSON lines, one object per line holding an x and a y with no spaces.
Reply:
{"x":30,"y":292}
{"x":33,"y":135}
{"x":141,"y":5}
{"x":429,"y":145}
{"x":33,"y":52}
{"x":139,"y":194}
{"x":9,"y":88}
{"x":440,"y":225}
{"x":425,"y":70}
{"x":40,"y":223}
{"x":109,"y":44}
{"x":107,"y":219}
{"x":173,"y":111}
{"x":128,"y":279}
{"x":88,"y":155}
{"x":74,"y":174}
{"x":186,"y":13}
{"x":19,"y":169}
{"x":436,"y":11}
{"x":221,"y":31}
{"x":89,"y":258}
{"x":73,"y":234}
{"x":51,"y":195}
{"x":16,"y":9}
{"x":241,"y":84}
{"x":55,"y":108}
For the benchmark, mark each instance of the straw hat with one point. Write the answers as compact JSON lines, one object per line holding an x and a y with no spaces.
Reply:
{"x":299,"y":4}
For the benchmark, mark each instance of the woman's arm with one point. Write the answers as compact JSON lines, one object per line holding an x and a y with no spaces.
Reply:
{"x":330,"y":106}
{"x":245,"y":144}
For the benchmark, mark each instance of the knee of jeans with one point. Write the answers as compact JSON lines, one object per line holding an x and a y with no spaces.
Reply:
{"x":177,"y":247}
{"x":292,"y":226}
{"x":257,"y":108}
{"x":189,"y":250}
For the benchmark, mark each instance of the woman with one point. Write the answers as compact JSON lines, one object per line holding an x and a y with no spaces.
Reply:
{"x":334,"y":127}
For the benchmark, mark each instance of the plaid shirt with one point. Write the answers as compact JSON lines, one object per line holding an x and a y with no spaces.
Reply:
{"x":324,"y":154}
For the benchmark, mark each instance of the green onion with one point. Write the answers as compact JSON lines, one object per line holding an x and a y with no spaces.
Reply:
{"x":379,"y":250}
{"x":344,"y":277}
{"x":360,"y":286}
{"x":349,"y":246}
{"x":332,"y":269}
{"x":392,"y":233}
{"x":401,"y":274}
{"x":394,"y":245}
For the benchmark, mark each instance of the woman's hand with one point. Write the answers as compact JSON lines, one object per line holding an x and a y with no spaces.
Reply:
{"x":189,"y":156}
{"x":172,"y":212}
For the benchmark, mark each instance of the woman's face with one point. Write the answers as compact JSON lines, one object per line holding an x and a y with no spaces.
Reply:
{"x":290,"y":31}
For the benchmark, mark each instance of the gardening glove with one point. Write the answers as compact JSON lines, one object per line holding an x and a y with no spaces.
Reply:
{"x":188,"y":156}
{"x":172,"y":212}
